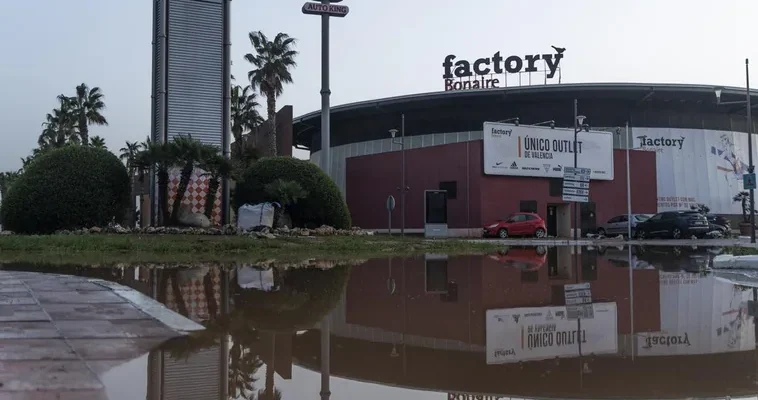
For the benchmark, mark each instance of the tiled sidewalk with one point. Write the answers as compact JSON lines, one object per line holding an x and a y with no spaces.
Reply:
{"x":59,"y":334}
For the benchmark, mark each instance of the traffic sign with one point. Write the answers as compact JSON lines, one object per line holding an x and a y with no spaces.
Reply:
{"x":576,"y":170}
{"x":576,"y":286}
{"x":576,"y":192}
{"x":584,"y":311}
{"x":332,"y":10}
{"x":578,"y":199}
{"x":578,"y":298}
{"x":748,"y":181}
{"x":390,"y":203}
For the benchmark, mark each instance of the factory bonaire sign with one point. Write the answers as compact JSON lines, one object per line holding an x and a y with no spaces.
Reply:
{"x":544,"y":152}
{"x":491,"y":72}
{"x":540,"y":333}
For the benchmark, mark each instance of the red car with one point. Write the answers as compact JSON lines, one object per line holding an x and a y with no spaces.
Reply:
{"x":518,"y":224}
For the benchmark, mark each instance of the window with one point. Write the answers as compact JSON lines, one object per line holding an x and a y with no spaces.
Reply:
{"x":436,"y":276}
{"x":641,"y":217}
{"x":613,"y":220}
{"x":668,"y":216}
{"x":528,"y":206}
{"x":436,"y":208}
{"x":623,"y":218}
{"x":518,"y":218}
{"x":451,"y":187}
{"x":530,"y":217}
{"x":656,"y":217}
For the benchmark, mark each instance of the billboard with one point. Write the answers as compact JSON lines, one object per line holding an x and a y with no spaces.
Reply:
{"x":539,"y":333}
{"x":696,"y":166}
{"x":699,"y":315}
{"x":543,"y":152}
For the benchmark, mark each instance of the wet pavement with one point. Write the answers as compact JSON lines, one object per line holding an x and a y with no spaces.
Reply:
{"x":666,"y":322}
{"x":57,"y":331}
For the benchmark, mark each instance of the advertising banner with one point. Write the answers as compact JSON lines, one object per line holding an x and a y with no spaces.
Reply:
{"x":543,"y":152}
{"x":699,"y":315}
{"x":696,"y":166}
{"x":539,"y":333}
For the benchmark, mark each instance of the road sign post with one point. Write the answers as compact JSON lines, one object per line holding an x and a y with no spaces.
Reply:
{"x":578,"y":298}
{"x":326,"y":10}
{"x":748,"y":181}
{"x":576,"y":188}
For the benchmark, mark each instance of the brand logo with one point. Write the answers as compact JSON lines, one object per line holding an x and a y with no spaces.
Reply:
{"x":516,"y":317}
{"x":666,"y":340}
{"x":514,"y":166}
{"x":484,"y":68}
{"x":547,"y":167}
{"x":505,"y":353}
{"x":499,"y":163}
{"x":549,"y":315}
{"x":530,"y":168}
{"x":559,"y":168}
{"x":646,"y":141}
{"x":496,"y":132}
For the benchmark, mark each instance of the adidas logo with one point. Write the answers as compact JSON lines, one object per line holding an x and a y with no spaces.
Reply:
{"x":514,"y":166}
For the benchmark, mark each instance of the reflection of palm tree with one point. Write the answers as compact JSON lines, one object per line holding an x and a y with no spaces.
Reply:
{"x":270,"y":393}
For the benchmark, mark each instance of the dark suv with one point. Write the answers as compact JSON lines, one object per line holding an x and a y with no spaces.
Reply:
{"x":674,"y":224}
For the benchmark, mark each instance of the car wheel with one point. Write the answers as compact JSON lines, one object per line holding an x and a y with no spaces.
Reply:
{"x":502,"y":233}
{"x":541,"y":250}
{"x":540,"y":233}
{"x":641,"y":235}
{"x":601,"y":232}
{"x":676,"y":233}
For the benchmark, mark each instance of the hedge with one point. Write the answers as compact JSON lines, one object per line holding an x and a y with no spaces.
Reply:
{"x":68,"y":188}
{"x":324,"y":204}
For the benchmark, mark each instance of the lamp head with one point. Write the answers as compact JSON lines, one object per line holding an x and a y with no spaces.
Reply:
{"x":718,"y":91}
{"x":517,"y":122}
{"x":580,"y":119}
{"x":393,"y":132}
{"x":552,"y":124}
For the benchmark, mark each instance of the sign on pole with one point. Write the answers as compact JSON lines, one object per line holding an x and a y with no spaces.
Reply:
{"x":390,"y":206}
{"x":578,"y":298}
{"x":332,"y":10}
{"x":576,"y":186}
{"x":748,"y":181}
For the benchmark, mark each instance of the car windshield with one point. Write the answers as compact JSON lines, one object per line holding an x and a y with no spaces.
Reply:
{"x":642,"y":217}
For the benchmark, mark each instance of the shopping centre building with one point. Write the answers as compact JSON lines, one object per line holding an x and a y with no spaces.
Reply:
{"x":688,"y":146}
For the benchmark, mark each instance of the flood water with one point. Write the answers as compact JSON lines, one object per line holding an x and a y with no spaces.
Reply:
{"x":664,"y":324}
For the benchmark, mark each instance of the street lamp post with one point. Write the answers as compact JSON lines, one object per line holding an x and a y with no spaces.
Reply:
{"x":578,"y":125}
{"x":751,"y":167}
{"x":403,"y":188}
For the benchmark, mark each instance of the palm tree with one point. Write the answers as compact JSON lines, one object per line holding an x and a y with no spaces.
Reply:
{"x":128,"y":155}
{"x":160,"y":156}
{"x":98,"y":142}
{"x":216,"y":167}
{"x":59,"y":126}
{"x":272,"y":62}
{"x":244,"y":113}
{"x":187,"y":153}
{"x":87,"y":107}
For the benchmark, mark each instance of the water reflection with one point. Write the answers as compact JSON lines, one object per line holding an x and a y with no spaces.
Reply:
{"x":665,"y":325}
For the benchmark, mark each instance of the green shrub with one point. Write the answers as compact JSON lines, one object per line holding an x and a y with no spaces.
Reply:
{"x":67,"y":188}
{"x":323,"y":205}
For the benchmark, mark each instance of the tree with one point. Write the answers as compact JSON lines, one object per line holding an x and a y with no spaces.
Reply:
{"x":129,"y":154}
{"x":6,"y":179}
{"x":272,"y":62}
{"x":98,"y":142}
{"x":161,"y":157}
{"x":216,"y":168}
{"x":87,"y":107}
{"x":59,"y":126}
{"x":244,"y":113}
{"x":742,"y":198}
{"x":187,"y":153}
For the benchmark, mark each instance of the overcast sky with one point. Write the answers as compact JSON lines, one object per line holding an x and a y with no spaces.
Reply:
{"x":383,"y":48}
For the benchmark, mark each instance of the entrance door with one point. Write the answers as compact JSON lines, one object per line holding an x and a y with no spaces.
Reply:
{"x":552,"y":220}
{"x":587,"y":217}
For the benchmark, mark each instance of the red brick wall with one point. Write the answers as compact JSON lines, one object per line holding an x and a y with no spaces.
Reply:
{"x":370,"y":179}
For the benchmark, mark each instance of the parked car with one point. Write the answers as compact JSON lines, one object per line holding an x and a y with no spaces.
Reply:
{"x":719,"y":223}
{"x":619,"y":224}
{"x":518,"y":224}
{"x":674,"y":224}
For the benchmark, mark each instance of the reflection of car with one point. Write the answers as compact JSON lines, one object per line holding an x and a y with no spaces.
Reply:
{"x":679,"y":258}
{"x":525,"y":258}
{"x":619,"y":224}
{"x":673,"y":224}
{"x":518,"y":224}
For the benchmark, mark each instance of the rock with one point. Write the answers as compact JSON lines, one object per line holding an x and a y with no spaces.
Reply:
{"x":284,"y":220}
{"x":214,"y":231}
{"x":173,"y":231}
{"x":160,"y":229}
{"x":325,"y":230}
{"x":95,"y":229}
{"x":6,"y":233}
{"x":263,"y":235}
{"x":304,"y":232}
{"x":150,"y":230}
{"x":188,"y":218}
{"x":229,"y":230}
{"x":63,"y":232}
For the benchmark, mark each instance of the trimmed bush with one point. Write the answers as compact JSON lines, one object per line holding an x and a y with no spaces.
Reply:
{"x":68,"y":188}
{"x":324,"y":204}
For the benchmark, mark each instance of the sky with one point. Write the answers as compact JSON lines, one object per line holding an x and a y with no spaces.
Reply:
{"x":381,"y":49}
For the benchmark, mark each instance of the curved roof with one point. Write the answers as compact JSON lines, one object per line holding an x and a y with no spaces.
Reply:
{"x":605,"y":104}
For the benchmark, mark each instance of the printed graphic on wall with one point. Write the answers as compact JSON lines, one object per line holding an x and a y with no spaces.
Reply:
{"x":699,"y":315}
{"x":543,"y":152}
{"x":540,"y":333}
{"x":696,"y":166}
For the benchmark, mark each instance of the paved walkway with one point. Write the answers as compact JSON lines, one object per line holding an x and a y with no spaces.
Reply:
{"x":59,"y":334}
